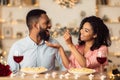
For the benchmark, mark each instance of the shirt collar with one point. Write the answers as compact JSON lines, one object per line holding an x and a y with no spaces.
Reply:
{"x":32,"y":42}
{"x":42,"y":42}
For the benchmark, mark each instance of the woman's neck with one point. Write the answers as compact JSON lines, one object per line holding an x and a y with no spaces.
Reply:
{"x":88,"y":44}
{"x":87,"y":47}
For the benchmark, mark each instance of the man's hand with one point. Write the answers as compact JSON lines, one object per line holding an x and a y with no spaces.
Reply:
{"x":52,"y":45}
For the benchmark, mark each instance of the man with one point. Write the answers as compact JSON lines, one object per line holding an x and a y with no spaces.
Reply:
{"x":36,"y":53}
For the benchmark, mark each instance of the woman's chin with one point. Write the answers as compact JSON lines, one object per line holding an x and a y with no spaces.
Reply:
{"x":82,"y":39}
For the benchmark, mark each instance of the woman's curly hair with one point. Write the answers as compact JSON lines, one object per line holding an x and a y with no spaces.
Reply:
{"x":100,"y":29}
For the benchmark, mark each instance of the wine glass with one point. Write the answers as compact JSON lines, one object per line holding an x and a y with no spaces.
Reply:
{"x":101,"y":58}
{"x":18,"y":58}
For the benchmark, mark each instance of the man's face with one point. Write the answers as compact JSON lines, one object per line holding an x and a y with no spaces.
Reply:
{"x":44,"y":25}
{"x":44,"y":22}
{"x":44,"y":34}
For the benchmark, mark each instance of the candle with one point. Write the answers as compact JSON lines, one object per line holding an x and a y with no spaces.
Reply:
{"x":47,"y":75}
{"x":61,"y":76}
{"x":54,"y":74}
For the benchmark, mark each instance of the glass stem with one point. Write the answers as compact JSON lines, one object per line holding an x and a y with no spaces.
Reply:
{"x":101,"y":69}
{"x":18,"y":68}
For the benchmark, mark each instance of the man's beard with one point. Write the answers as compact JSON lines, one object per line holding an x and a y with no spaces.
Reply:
{"x":44,"y":35}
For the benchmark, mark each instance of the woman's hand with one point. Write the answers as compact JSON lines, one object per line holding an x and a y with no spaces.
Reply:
{"x":68,"y":38}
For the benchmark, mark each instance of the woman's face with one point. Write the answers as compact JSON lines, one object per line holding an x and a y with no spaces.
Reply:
{"x":87,"y":32}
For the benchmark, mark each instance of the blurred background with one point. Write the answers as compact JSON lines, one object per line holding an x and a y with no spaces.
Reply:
{"x":64,"y":14}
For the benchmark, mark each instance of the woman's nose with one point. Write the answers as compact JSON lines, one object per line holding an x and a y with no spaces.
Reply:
{"x":81,"y":31}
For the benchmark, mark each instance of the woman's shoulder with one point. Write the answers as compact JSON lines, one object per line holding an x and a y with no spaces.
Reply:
{"x":103,"y":47}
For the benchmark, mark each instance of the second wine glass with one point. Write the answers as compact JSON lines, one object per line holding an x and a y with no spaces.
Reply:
{"x":101,"y":58}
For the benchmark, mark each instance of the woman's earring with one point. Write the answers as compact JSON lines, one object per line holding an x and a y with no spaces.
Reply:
{"x":94,"y":36}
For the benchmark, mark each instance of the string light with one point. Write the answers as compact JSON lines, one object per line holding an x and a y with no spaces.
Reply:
{"x":67,"y":3}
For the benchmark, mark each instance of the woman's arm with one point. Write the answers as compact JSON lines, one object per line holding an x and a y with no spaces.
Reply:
{"x":79,"y":57}
{"x":64,"y":57}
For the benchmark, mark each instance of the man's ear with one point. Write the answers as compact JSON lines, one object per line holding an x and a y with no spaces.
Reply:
{"x":36,"y":25}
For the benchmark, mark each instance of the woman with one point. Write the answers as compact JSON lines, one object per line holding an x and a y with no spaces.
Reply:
{"x":93,"y":37}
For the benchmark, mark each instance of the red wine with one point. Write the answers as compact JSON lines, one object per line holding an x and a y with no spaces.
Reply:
{"x":101,"y":60}
{"x":18,"y":59}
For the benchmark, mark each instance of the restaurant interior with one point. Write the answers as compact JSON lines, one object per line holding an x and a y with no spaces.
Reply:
{"x":64,"y":14}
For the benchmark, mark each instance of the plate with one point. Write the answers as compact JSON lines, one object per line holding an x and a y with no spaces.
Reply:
{"x":34,"y":70}
{"x":81,"y":71}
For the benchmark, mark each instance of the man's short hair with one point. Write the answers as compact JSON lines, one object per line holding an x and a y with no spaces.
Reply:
{"x":33,"y":16}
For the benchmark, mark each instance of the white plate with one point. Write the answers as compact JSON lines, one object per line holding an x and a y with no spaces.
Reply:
{"x":34,"y":70}
{"x":81,"y":71}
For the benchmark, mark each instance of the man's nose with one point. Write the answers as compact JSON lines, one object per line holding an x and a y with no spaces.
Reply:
{"x":49,"y":26}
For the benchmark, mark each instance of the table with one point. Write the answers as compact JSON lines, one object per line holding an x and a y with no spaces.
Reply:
{"x":42,"y":77}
